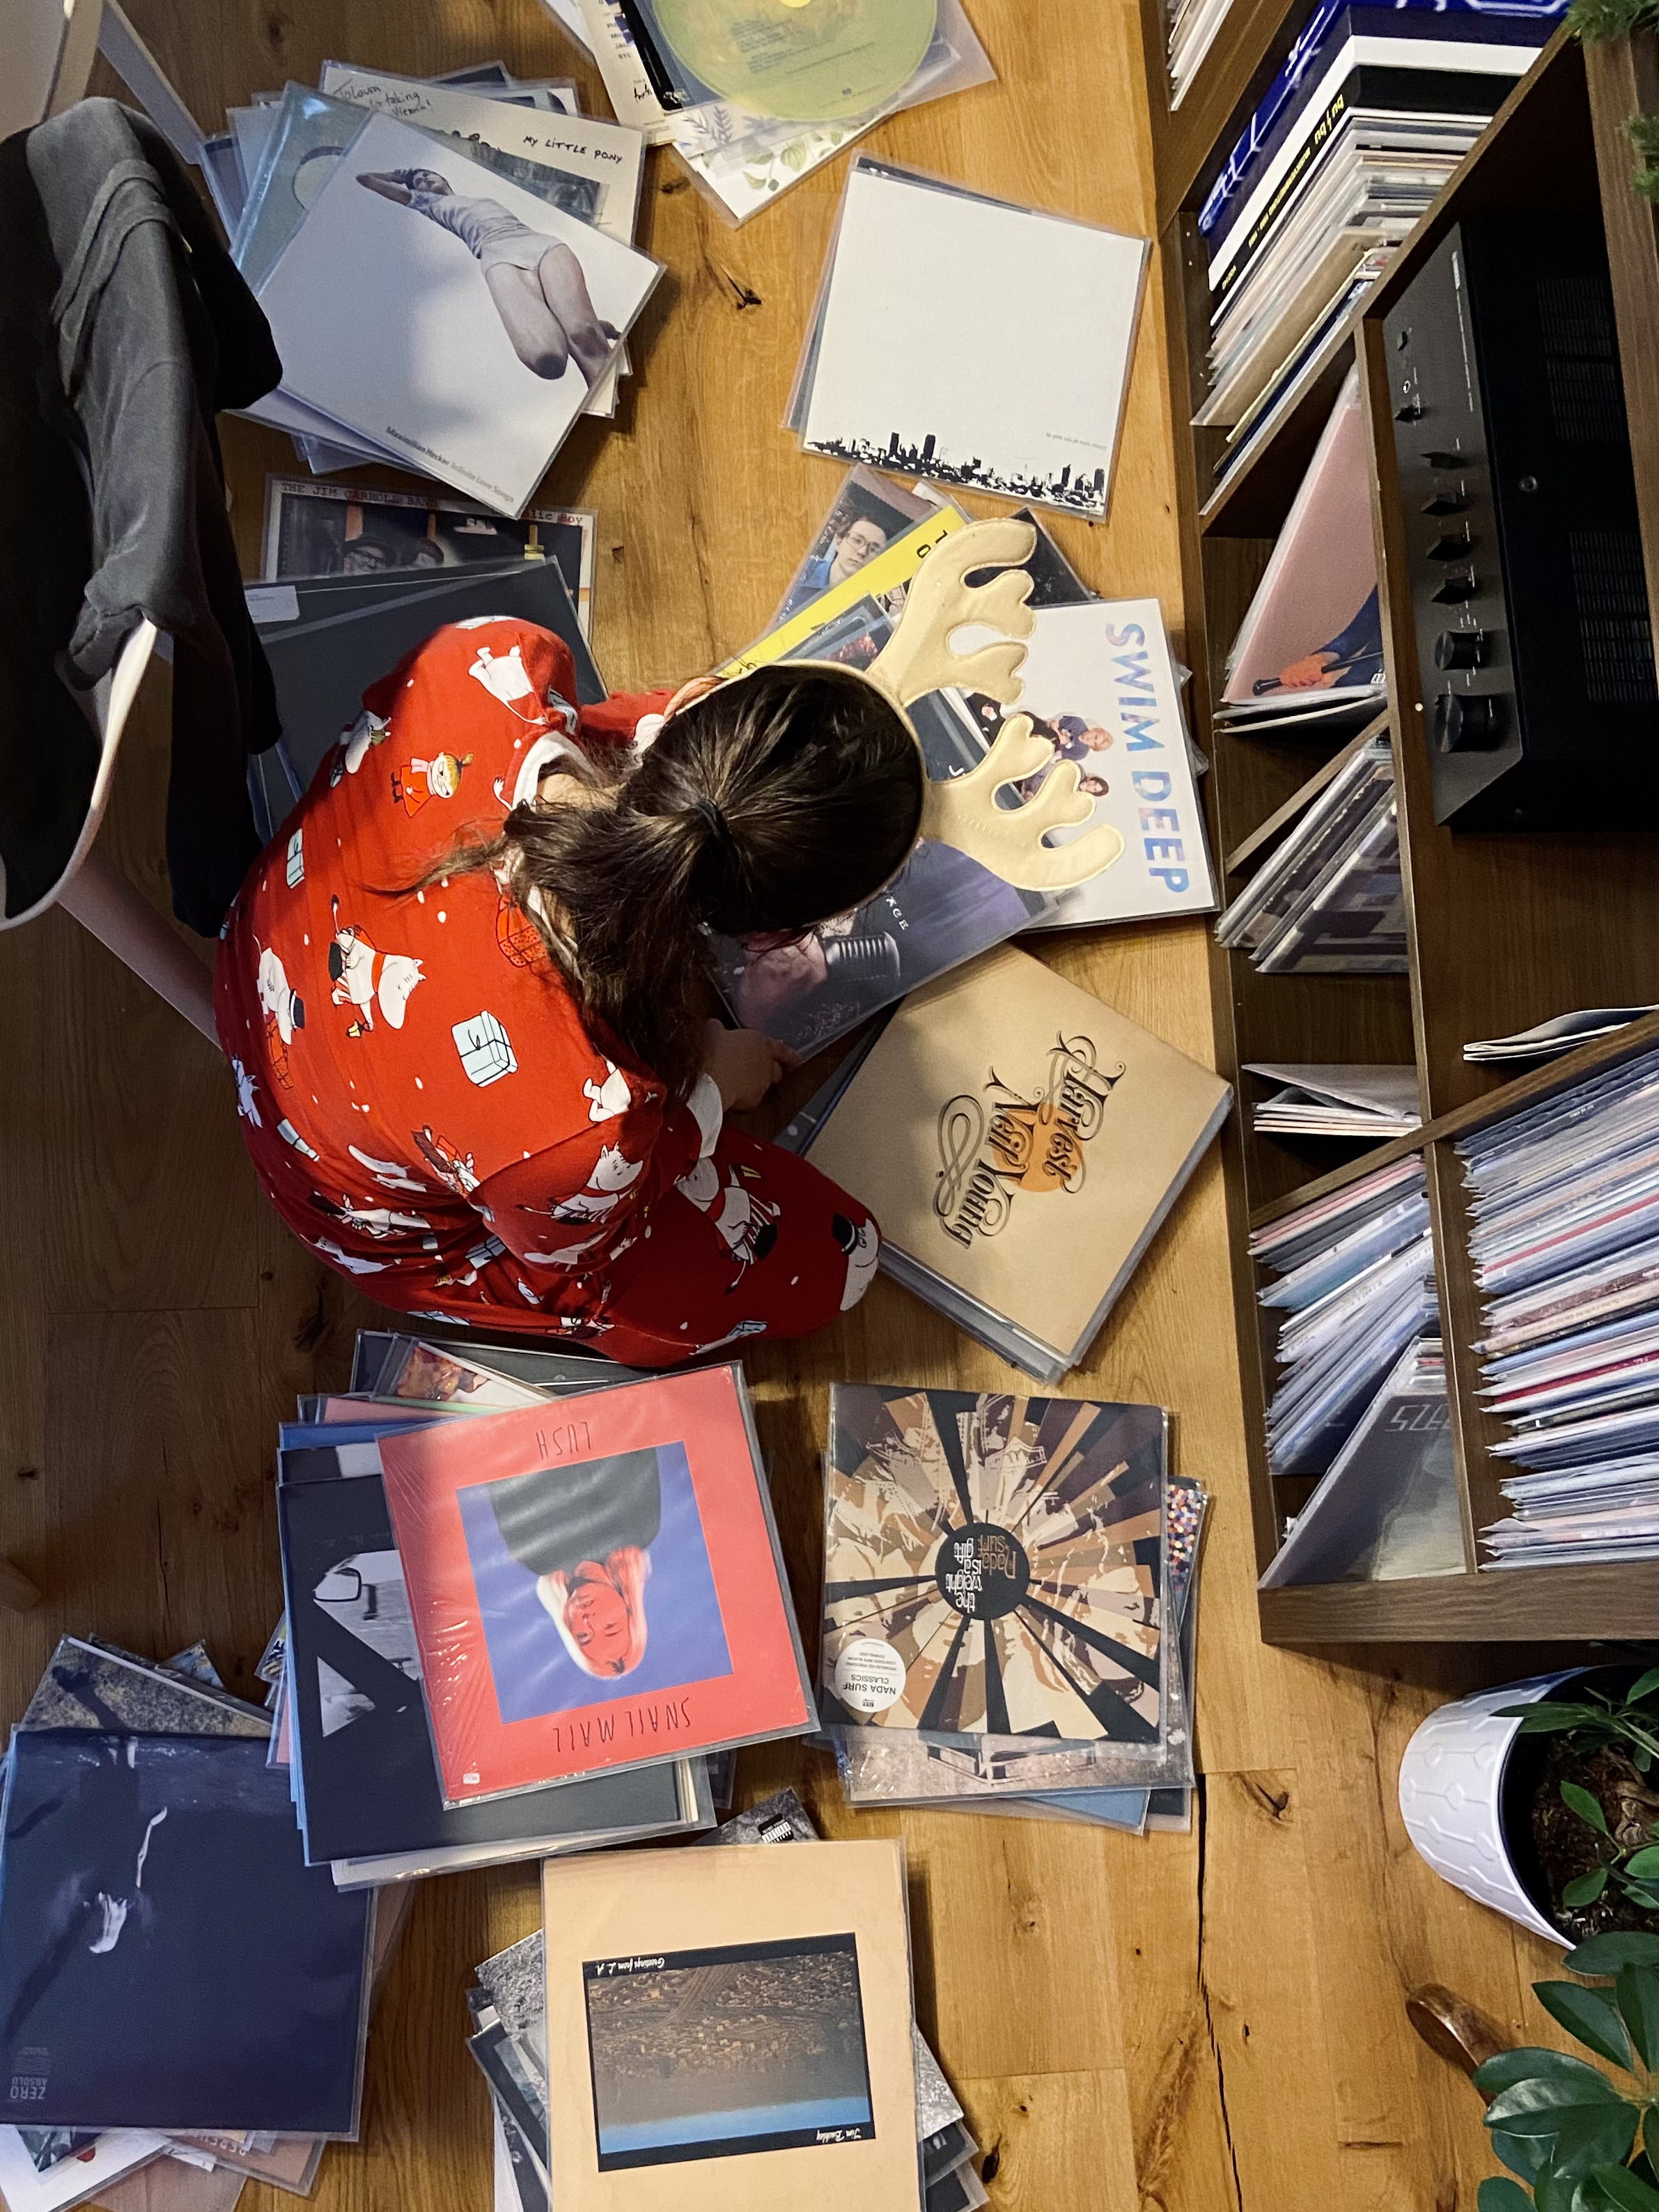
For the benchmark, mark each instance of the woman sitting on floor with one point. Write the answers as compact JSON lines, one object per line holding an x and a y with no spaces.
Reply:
{"x":466,"y":992}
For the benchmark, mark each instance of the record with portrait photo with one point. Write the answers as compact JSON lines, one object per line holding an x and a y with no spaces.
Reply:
{"x":995,"y":1567}
{"x":370,"y":1781}
{"x":595,"y":1584}
{"x":867,"y":513}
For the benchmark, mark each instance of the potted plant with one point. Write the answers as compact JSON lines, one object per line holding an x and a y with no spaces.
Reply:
{"x":1501,"y":1792}
{"x":1596,"y":1810}
{"x":1575,"y":2136}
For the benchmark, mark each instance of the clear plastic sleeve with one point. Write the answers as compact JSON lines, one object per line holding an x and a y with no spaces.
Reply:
{"x":596,"y":1585}
{"x":914,"y":253}
{"x":1026,"y":1538}
{"x":741,"y":162}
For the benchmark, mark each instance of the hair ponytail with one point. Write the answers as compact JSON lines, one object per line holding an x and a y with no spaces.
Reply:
{"x":766,"y":806}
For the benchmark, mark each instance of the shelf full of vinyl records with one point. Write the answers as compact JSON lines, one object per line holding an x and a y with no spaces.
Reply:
{"x":1411,"y":304}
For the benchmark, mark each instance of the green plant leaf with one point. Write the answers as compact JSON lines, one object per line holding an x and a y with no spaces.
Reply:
{"x":1643,"y":1863}
{"x":1548,"y":1719}
{"x":1551,"y":2193}
{"x":1640,"y":1758}
{"x":1545,"y":2106}
{"x":1620,"y":2187}
{"x":1500,"y":2194}
{"x":1644,"y":1685}
{"x":1587,"y":2014}
{"x":1521,"y":2153}
{"x":1603,"y":1955}
{"x":1636,"y":1993}
{"x":1586,"y":1889}
{"x":1588,"y":1808}
{"x":1604,"y":2138}
{"x":1532,"y":2062}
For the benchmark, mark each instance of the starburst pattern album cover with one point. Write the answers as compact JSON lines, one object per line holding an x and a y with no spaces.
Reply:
{"x":995,"y":1565}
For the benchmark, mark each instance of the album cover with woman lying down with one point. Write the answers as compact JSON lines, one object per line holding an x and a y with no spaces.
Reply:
{"x":595,"y":1583}
{"x":995,"y":1565}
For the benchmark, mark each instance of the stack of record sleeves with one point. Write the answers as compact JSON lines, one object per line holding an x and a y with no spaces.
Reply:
{"x":1009,"y":1606}
{"x":182,"y":1996}
{"x":1328,"y":899}
{"x":752,"y":99}
{"x":1308,"y":658}
{"x":511,"y":1635}
{"x":507,"y":2005}
{"x":1355,"y":1285}
{"x":1192,"y":27}
{"x":1370,"y":114}
{"x":1563,"y":1201}
{"x":1387,"y":1507}
{"x":448,"y":268}
{"x":270,"y":163}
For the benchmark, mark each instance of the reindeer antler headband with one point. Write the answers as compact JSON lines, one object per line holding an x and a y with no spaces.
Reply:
{"x":919,"y":658}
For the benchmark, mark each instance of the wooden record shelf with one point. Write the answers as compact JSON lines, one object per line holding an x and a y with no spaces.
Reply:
{"x":1502,"y":930}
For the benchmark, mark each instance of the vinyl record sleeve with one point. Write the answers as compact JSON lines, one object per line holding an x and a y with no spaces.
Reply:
{"x":595,"y":1584}
{"x":995,"y":1565}
{"x":329,"y":639}
{"x":451,"y":394}
{"x":75,"y":2176}
{"x":166,"y":1957}
{"x":1098,"y":683}
{"x":1021,"y":1142}
{"x":591,"y":167}
{"x":91,"y":1685}
{"x":314,"y":529}
{"x":913,"y":263}
{"x":370,"y":1783}
{"x":804,"y":1952}
{"x":549,"y":1370}
{"x":1322,"y":579}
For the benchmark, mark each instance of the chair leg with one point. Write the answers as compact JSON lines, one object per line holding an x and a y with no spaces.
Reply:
{"x":103,"y":902}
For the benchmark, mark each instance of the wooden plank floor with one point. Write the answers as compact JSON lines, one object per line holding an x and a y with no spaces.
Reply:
{"x":1193,"y":2023}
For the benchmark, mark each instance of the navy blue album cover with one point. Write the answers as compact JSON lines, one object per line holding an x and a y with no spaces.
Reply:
{"x":168,"y":1960}
{"x":368,"y":1777}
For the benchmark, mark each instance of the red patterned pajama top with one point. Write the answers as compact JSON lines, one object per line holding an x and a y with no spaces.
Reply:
{"x":418,"y":1091}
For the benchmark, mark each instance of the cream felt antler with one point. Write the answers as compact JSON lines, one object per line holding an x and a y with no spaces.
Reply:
{"x":917,"y":658}
{"x":962,"y":811}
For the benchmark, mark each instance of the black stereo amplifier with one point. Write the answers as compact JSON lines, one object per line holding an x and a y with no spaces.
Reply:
{"x":1534,"y":649}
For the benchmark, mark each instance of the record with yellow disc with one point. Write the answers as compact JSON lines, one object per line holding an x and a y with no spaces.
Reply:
{"x":803,"y":61}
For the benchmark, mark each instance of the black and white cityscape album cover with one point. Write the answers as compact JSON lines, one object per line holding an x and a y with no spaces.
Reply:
{"x":974,"y":342}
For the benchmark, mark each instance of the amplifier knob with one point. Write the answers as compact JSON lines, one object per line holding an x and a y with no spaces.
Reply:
{"x":1456,"y":545}
{"x":1468,"y":722}
{"x":1460,"y":649}
{"x":1464,"y":586}
{"x":1446,"y":460}
{"x":1446,"y":502}
{"x":1411,"y":412}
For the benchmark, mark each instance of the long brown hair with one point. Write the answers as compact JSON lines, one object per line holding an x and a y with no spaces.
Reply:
{"x":764,"y":807}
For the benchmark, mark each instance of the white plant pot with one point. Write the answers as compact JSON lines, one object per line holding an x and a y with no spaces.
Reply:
{"x":1451,"y":1798}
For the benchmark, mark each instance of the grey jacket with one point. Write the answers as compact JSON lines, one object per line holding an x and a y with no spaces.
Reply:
{"x":124,"y":328}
